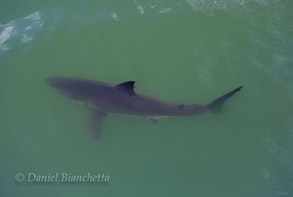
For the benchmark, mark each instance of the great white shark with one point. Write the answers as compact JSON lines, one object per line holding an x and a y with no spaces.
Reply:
{"x":103,"y":99}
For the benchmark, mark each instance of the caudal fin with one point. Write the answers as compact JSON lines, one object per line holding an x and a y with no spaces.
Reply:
{"x":216,"y":104}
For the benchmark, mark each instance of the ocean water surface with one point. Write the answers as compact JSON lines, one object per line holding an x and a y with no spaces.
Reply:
{"x":180,"y":51}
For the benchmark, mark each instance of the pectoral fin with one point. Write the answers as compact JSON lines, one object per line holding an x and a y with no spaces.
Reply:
{"x":94,"y":120}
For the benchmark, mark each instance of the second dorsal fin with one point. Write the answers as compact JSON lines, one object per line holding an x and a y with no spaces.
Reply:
{"x":181,"y":105}
{"x":128,"y":87}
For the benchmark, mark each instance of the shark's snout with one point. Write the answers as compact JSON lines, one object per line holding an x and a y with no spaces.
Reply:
{"x":54,"y":82}
{"x":49,"y":81}
{"x":68,"y":86}
{"x":58,"y":83}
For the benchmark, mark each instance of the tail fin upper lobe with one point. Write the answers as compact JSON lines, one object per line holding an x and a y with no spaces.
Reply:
{"x":216,"y":104}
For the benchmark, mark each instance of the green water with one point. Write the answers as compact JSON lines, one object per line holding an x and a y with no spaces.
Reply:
{"x":181,"y":51}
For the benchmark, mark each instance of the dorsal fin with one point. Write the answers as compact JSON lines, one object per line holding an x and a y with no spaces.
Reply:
{"x":127,"y":86}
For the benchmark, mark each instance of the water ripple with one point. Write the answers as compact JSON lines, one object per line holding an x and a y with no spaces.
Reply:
{"x":115,"y":16}
{"x":19,"y":31}
{"x":140,"y":9}
{"x":270,"y":172}
{"x":164,"y":10}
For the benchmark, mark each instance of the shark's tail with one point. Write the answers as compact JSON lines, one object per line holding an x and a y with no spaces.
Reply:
{"x":216,"y":104}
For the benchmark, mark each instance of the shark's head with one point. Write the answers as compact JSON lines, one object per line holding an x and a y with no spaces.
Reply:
{"x":70,"y":87}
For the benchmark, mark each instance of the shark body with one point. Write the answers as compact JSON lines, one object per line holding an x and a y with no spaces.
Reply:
{"x":103,"y":98}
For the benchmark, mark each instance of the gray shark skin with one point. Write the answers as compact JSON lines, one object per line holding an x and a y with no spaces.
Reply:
{"x":103,"y":98}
